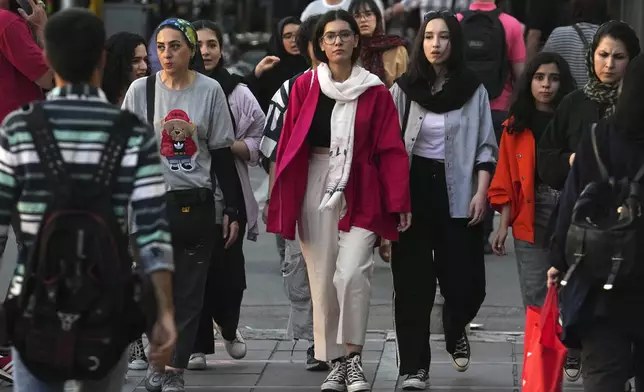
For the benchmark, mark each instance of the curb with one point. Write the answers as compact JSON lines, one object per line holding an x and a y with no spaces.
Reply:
{"x":390,"y":336}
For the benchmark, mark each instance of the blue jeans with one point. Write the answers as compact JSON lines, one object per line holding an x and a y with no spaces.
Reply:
{"x":23,"y":381}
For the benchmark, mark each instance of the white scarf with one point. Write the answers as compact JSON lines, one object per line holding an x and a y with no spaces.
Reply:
{"x":343,"y":119}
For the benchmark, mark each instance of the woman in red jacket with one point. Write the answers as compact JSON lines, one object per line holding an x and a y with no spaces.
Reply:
{"x":517,"y":191}
{"x":342,"y":174}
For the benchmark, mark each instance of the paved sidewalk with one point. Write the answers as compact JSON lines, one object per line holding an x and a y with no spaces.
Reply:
{"x":270,"y":366}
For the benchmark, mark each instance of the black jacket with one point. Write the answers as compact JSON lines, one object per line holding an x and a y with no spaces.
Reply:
{"x":573,"y":118}
{"x":622,"y":159}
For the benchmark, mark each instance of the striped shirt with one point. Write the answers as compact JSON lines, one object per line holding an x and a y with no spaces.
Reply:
{"x":275,"y":119}
{"x":436,"y":5}
{"x":566,"y":42}
{"x":80,"y":117}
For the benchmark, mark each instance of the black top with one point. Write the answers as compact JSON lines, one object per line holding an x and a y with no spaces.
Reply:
{"x":575,"y":115}
{"x":320,"y":132}
{"x":540,"y":121}
{"x":546,"y":15}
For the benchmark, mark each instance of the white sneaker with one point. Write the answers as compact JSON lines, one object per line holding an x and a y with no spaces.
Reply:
{"x":237,"y":348}
{"x":197,"y":361}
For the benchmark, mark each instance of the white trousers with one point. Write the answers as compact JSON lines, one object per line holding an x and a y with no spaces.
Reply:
{"x":340,"y":267}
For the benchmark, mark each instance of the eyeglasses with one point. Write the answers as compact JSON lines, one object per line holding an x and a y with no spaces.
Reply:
{"x":345,"y":36}
{"x":289,"y":36}
{"x":439,"y":13}
{"x":365,"y":14}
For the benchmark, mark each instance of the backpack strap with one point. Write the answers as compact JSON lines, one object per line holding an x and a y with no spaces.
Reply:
{"x":112,"y":155}
{"x":602,"y":168}
{"x":47,"y":148}
{"x":639,"y":175}
{"x":581,"y":35}
{"x":150,"y":82}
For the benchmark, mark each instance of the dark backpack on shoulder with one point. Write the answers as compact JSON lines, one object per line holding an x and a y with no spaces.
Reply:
{"x":485,"y":49}
{"x":76,"y":307}
{"x":606,"y":229}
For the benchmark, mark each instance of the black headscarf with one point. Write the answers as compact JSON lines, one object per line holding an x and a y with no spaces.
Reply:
{"x":460,"y":83}
{"x":227,"y":80}
{"x":629,"y":113}
{"x":288,"y":66}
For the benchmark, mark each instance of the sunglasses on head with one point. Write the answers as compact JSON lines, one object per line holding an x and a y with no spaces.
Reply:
{"x":439,"y":13}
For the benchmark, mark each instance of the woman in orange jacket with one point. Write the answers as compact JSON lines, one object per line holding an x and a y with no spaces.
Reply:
{"x":524,"y":201}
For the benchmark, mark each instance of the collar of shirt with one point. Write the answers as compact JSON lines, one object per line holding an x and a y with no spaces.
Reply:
{"x":482,"y":6}
{"x":83,"y":92}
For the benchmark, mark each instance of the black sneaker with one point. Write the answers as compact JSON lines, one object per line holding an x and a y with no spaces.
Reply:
{"x":336,"y":381}
{"x":356,"y":381}
{"x":416,"y":382}
{"x":461,"y":355}
{"x":313,"y":364}
{"x":572,"y":368}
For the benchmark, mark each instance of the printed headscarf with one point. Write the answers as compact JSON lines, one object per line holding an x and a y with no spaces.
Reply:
{"x":185,"y":27}
{"x":605,"y":93}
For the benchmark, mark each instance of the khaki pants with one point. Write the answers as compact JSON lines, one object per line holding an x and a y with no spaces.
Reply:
{"x":340,"y":267}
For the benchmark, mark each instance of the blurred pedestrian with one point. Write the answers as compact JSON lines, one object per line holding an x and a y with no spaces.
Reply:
{"x":126,"y":60}
{"x":381,"y":54}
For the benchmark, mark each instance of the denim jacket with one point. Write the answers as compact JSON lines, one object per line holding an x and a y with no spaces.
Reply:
{"x":470,"y":144}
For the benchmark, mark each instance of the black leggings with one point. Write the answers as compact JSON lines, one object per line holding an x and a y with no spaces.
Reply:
{"x":224,"y":292}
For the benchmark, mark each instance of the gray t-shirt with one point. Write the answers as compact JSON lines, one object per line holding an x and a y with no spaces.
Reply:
{"x":188,"y":123}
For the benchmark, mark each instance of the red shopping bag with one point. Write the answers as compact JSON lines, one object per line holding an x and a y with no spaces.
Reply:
{"x":543,"y":353}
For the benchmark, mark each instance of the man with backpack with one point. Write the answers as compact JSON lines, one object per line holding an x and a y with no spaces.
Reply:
{"x":71,"y":165}
{"x":495,"y":50}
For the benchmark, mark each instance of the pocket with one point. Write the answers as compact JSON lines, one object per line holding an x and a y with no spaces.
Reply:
{"x":368,"y":189}
{"x":294,"y":272}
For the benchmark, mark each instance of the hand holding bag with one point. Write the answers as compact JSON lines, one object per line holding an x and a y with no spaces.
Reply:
{"x":543,"y":353}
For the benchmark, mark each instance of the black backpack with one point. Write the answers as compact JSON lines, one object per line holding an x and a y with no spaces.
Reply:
{"x":77,"y":308}
{"x":605,"y":229}
{"x":485,"y":50}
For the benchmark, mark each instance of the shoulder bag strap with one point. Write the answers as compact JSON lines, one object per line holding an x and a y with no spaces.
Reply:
{"x":47,"y":148}
{"x":149,"y":97}
{"x":600,"y":164}
{"x":110,"y":161}
{"x":406,"y":114}
{"x":581,"y":36}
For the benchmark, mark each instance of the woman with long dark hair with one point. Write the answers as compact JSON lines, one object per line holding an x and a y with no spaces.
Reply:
{"x":381,"y":54}
{"x":341,"y":178}
{"x":226,"y":275}
{"x":450,"y":142}
{"x":126,"y":60}
{"x":528,"y":209}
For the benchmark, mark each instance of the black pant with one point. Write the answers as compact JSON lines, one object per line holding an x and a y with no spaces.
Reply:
{"x":224,"y":292}
{"x":436,"y":246}
{"x":498,"y":117}
{"x":612,"y":353}
{"x":191,"y":214}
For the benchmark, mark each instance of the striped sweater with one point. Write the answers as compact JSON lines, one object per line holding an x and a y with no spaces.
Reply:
{"x":80,"y":117}
{"x":566,"y":42}
{"x":275,"y":119}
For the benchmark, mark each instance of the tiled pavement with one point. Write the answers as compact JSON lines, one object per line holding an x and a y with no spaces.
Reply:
{"x":270,"y":366}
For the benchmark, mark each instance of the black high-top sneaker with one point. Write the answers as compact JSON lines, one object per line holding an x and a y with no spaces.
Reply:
{"x":356,"y":381}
